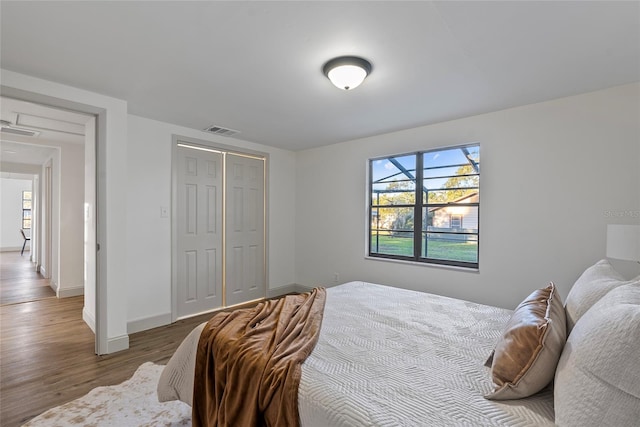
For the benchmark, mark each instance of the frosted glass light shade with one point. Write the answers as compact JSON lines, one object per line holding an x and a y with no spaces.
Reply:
{"x":347,"y":76}
{"x":347,"y":72}
{"x":623,"y":242}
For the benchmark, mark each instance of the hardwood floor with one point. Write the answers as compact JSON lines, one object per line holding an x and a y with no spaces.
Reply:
{"x":47,"y":354}
{"x":19,"y":281}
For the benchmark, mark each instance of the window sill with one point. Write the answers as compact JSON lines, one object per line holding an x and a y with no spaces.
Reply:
{"x":425,"y":264}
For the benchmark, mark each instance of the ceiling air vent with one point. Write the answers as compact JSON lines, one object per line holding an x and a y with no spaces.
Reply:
{"x":218,"y":130}
{"x":7,"y":127}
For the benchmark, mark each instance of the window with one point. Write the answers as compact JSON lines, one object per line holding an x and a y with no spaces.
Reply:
{"x":26,"y":210}
{"x":425,"y":206}
{"x":455,"y":220}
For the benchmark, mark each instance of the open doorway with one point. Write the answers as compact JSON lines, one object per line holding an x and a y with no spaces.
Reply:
{"x":20,"y":281}
{"x":57,"y":146}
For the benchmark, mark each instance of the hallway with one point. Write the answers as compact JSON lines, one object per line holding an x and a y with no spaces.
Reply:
{"x":19,"y":281}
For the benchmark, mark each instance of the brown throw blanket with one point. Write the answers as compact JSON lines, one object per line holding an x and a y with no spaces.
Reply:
{"x":248,"y":362}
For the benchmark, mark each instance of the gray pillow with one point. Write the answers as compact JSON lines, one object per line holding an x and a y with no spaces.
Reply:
{"x":597,"y":381}
{"x":592,"y":285}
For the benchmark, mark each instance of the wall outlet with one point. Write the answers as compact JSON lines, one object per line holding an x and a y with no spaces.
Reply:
{"x":336,"y":277}
{"x":164,"y":212}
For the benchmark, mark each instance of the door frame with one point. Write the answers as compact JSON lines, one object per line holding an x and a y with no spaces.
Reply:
{"x":47,"y":220}
{"x":101,"y":321}
{"x":210,"y":145}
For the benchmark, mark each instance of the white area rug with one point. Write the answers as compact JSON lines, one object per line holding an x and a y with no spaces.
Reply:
{"x":131,"y":403}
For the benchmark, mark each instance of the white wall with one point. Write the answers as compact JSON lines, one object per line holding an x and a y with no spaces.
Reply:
{"x":566,"y":168}
{"x":111,"y":315}
{"x":148,"y":246}
{"x":67,"y":258}
{"x":11,"y":213}
{"x":71,"y":221}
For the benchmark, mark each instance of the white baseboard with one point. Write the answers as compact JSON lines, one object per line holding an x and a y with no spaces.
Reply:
{"x":287,"y":289}
{"x":117,"y":344}
{"x":89,"y":319}
{"x":302,"y":288}
{"x":70,"y":292}
{"x":140,"y":325}
{"x":14,"y":249}
{"x":282,"y":290}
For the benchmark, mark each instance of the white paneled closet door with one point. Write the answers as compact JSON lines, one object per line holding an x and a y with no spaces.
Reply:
{"x":245,"y":207}
{"x":199,"y":231}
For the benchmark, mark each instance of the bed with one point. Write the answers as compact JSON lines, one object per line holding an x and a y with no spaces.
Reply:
{"x":387,"y":356}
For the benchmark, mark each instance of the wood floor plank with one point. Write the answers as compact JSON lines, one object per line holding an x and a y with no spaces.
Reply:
{"x":19,"y":280}
{"x":47,"y":351}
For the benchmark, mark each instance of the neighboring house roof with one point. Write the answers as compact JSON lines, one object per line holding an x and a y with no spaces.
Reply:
{"x":458,"y":200}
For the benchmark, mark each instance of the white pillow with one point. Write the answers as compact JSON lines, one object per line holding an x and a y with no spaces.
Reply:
{"x":176,"y":380}
{"x":592,"y":285}
{"x":597,"y":381}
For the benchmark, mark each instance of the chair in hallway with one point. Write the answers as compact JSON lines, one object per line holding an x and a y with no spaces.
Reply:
{"x":26,"y":239}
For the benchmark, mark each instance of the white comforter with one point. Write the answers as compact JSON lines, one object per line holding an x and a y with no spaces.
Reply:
{"x":391,"y":357}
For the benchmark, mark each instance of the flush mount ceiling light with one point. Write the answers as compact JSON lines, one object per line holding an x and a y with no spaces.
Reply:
{"x":347,"y":72}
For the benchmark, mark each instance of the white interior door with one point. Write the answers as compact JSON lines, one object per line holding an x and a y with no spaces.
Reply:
{"x":199,"y":230}
{"x":245,"y":207}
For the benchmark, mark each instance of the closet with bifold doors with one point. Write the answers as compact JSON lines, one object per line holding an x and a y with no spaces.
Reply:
{"x":218,"y":227}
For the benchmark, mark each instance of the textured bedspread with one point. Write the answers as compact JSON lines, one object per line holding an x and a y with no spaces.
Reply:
{"x":391,"y":357}
{"x":247,"y":364}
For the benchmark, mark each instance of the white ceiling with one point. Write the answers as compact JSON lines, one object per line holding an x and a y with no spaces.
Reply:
{"x":30,"y":154}
{"x":256,"y":66}
{"x":54,"y":127}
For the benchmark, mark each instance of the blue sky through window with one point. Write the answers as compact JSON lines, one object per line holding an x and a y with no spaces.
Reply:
{"x":434,"y":163}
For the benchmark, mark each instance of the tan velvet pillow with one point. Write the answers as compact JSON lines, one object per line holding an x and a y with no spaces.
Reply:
{"x":525,"y":358}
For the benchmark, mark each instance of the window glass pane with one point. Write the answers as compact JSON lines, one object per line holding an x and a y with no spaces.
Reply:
{"x":448,"y":171}
{"x":392,"y":219}
{"x":456,"y":169}
{"x":393,"y":197}
{"x":26,"y":224}
{"x":458,"y":195}
{"x":452,"y":247}
{"x":393,"y":181}
{"x":26,"y":204}
{"x":392,"y":231}
{"x":451,"y":219}
{"x":394,"y":168}
{"x":397,"y":243}
{"x":454,"y":181}
{"x":450,"y":156}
